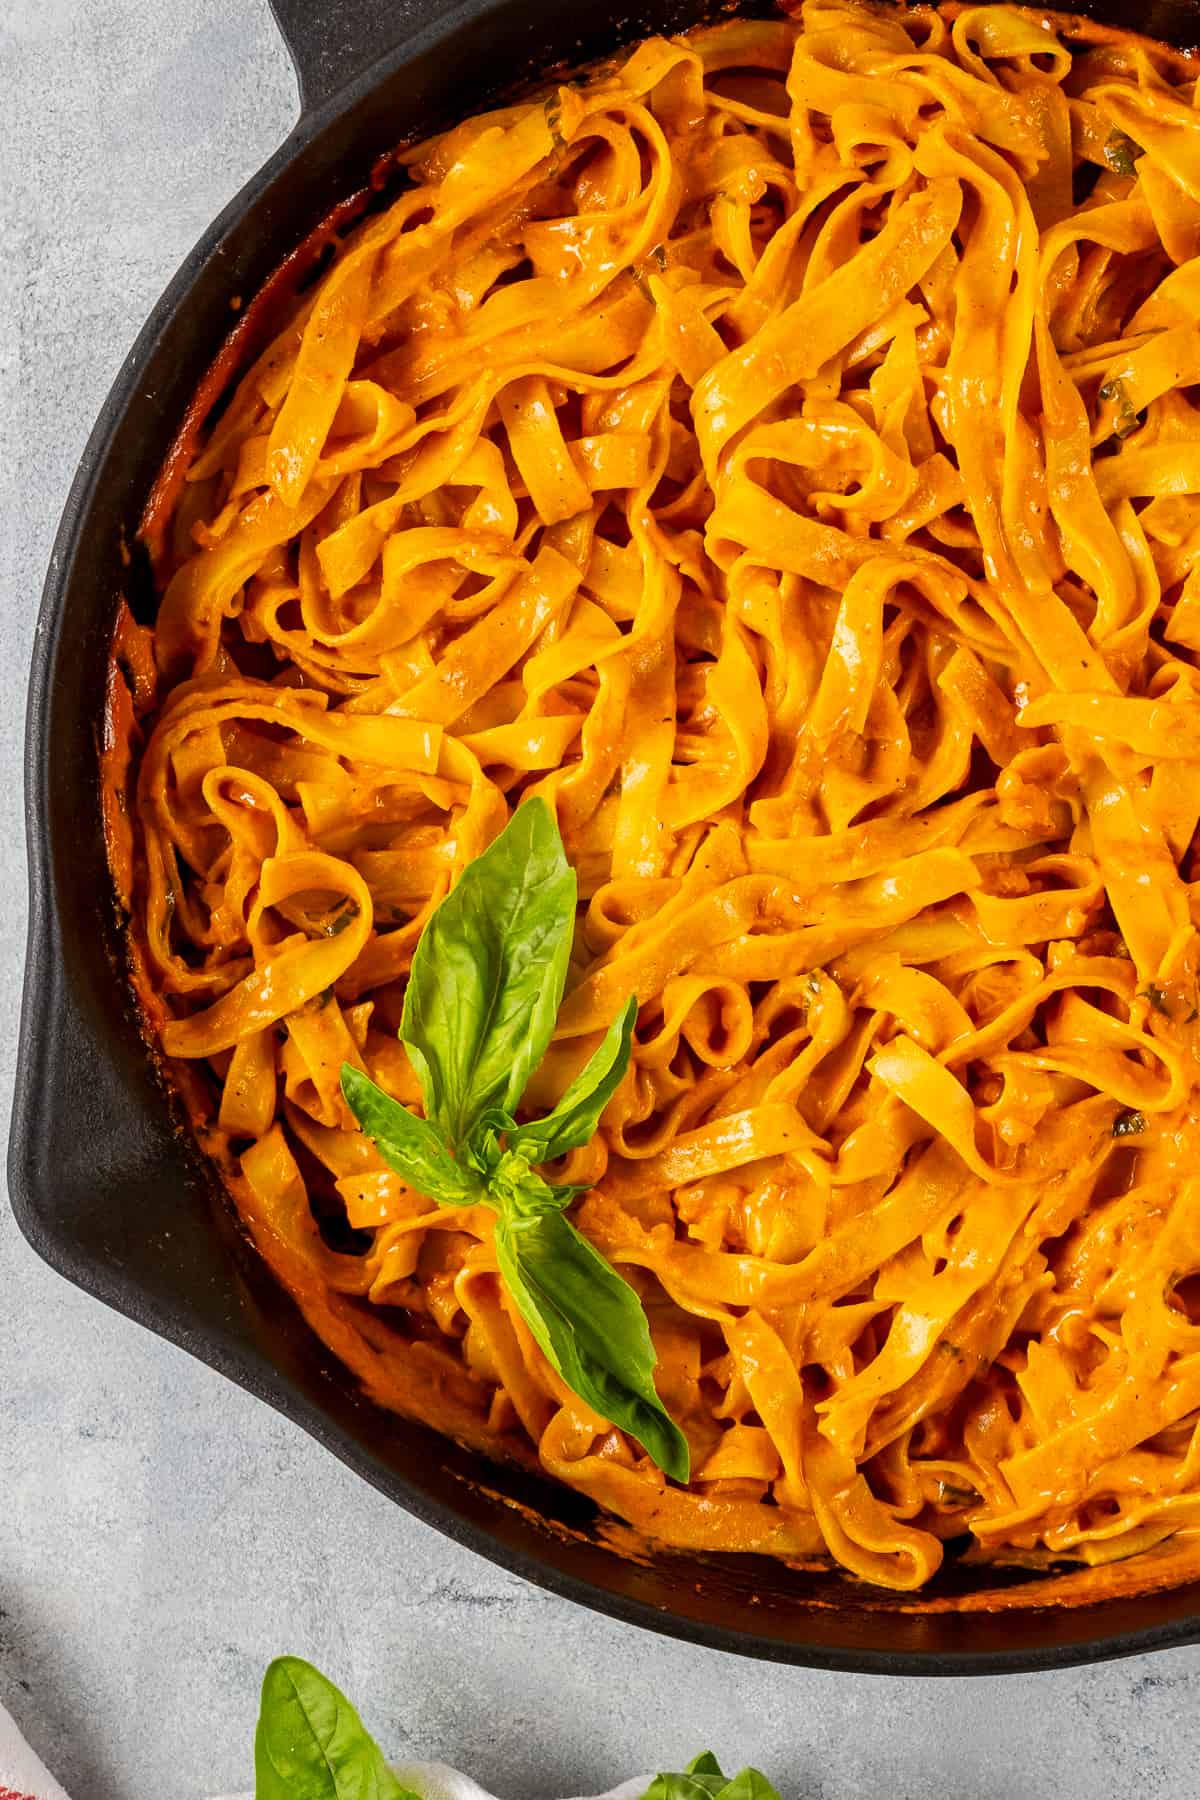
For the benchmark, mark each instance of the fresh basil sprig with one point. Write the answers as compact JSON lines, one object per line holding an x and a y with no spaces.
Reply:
{"x":312,"y":1745}
{"x":703,"y":1780}
{"x":486,"y":983}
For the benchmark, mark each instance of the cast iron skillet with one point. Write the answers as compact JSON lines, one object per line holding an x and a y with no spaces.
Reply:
{"x":104,"y":1185}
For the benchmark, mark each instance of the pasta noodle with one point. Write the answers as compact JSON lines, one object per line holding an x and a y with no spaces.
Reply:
{"x":779,"y":449}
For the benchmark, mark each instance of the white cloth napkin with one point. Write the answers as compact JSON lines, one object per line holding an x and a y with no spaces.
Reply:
{"x":436,"y":1781}
{"x":23,"y":1777}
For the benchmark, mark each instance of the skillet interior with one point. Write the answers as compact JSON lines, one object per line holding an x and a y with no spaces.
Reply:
{"x":103,"y":1182}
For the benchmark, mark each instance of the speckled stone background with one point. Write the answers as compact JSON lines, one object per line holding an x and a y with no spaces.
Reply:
{"x":162,"y":1535}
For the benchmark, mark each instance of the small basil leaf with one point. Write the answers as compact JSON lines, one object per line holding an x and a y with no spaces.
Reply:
{"x":488,"y":974}
{"x":514,"y":1186}
{"x":563,"y":1193}
{"x":408,"y":1144}
{"x":749,"y":1784}
{"x":1121,"y":153}
{"x":574,"y":1120}
{"x":590,"y":1324}
{"x":688,"y":1785}
{"x":312,"y":1745}
{"x":703,"y":1780}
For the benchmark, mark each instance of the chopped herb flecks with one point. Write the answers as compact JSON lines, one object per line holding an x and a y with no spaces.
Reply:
{"x":1126,"y":420}
{"x":1121,"y":153}
{"x":553,"y":110}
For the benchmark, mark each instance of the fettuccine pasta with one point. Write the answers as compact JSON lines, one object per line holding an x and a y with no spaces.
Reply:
{"x":779,"y":450}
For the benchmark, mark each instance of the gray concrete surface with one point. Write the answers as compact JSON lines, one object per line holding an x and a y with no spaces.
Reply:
{"x":161,"y":1535}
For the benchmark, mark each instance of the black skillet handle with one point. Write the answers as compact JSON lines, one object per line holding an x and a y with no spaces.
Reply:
{"x":332,"y":42}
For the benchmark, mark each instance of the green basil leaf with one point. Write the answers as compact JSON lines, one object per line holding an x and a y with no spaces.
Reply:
{"x":514,"y":1186}
{"x":564,"y":1193}
{"x":489,"y":973}
{"x":701,"y":1780}
{"x":312,"y":1745}
{"x":683,"y":1786}
{"x":408,"y":1144}
{"x":574,"y":1120}
{"x":704,"y":1764}
{"x":1121,"y":153}
{"x":749,"y":1784}
{"x":590,"y":1324}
